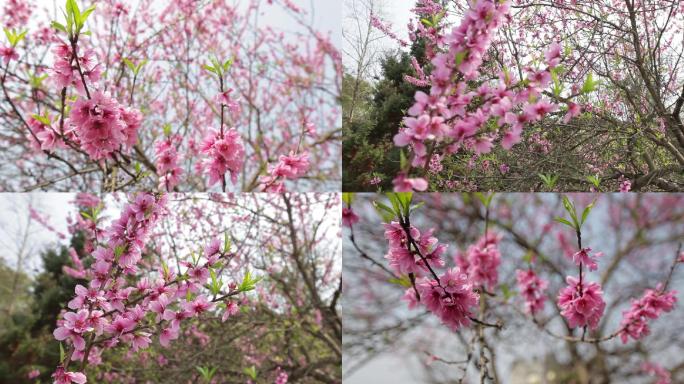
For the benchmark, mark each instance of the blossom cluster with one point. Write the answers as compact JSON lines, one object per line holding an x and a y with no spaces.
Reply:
{"x":43,"y":137}
{"x":291,"y":166}
{"x":532,"y":290}
{"x":168,"y":169}
{"x":452,"y":299}
{"x":403,"y":258}
{"x":452,"y":116}
{"x":110,"y":310}
{"x":65,"y":72}
{"x":103,"y":126}
{"x":451,"y":296}
{"x":581,"y":303}
{"x":481,"y":261}
{"x":225,"y":154}
{"x":649,"y":307}
{"x":662,"y":375}
{"x":105,"y":297}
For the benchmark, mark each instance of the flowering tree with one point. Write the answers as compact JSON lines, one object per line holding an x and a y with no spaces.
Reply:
{"x":541,"y":95}
{"x":170,"y":96}
{"x":209,"y":286}
{"x":524,"y":285}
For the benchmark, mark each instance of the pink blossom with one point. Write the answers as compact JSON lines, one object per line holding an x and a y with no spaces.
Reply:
{"x":281,"y":378}
{"x":574,"y":110}
{"x":581,"y":305}
{"x":662,"y":375}
{"x":532,"y":290}
{"x":583,"y":257}
{"x":63,"y":377}
{"x":225,"y":99}
{"x":404,"y":184}
{"x":100,"y":126}
{"x":168,"y":334}
{"x":232,"y":309}
{"x":650,"y":306}
{"x":74,"y":325}
{"x":291,"y":166}
{"x":404,"y":261}
{"x":213,"y":248}
{"x":141,"y":340}
{"x":481,"y":261}
{"x":226,"y":154}
{"x":453,"y":303}
{"x":349,"y":218}
{"x":198,"y":306}
{"x":120,"y":325}
{"x":34,"y":373}
{"x":625,"y":186}
{"x":8,"y":53}
{"x":553,"y":54}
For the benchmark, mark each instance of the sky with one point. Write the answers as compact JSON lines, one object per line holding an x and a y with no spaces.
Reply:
{"x":325,"y":15}
{"x":13,"y":219}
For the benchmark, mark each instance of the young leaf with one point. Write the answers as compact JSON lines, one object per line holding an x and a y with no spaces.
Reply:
{"x":586,"y":211}
{"x":589,"y":84}
{"x":403,"y":281}
{"x":226,"y":243}
{"x":251,"y":372}
{"x":129,"y":64}
{"x":384,"y":211}
{"x":347,"y":197}
{"x":564,"y":221}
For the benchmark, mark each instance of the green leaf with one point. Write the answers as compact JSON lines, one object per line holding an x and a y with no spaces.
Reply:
{"x":506,"y":290}
{"x":215,"y":283}
{"x":119,"y":250}
{"x":586,"y":211}
{"x":589,"y":84}
{"x":140,"y":65}
{"x":570,"y":208}
{"x":251,"y":372}
{"x":402,"y":160}
{"x":564,"y":221}
{"x":460,"y":56}
{"x":62,"y":355}
{"x":87,"y":13}
{"x":129,"y":64}
{"x":167,"y":129}
{"x":10,"y":35}
{"x":404,"y":199}
{"x":226,"y":242}
{"x":385,"y":212}
{"x":227,"y":64}
{"x":595,"y":180}
{"x":43,"y":119}
{"x":416,"y":206}
{"x":209,"y":68}
{"x":347,"y":197}
{"x":549,"y":180}
{"x":404,"y":281}
{"x":528,"y":257}
{"x":557,"y":85}
{"x":248,"y":282}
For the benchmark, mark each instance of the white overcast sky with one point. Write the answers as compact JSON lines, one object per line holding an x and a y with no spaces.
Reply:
{"x":325,"y":15}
